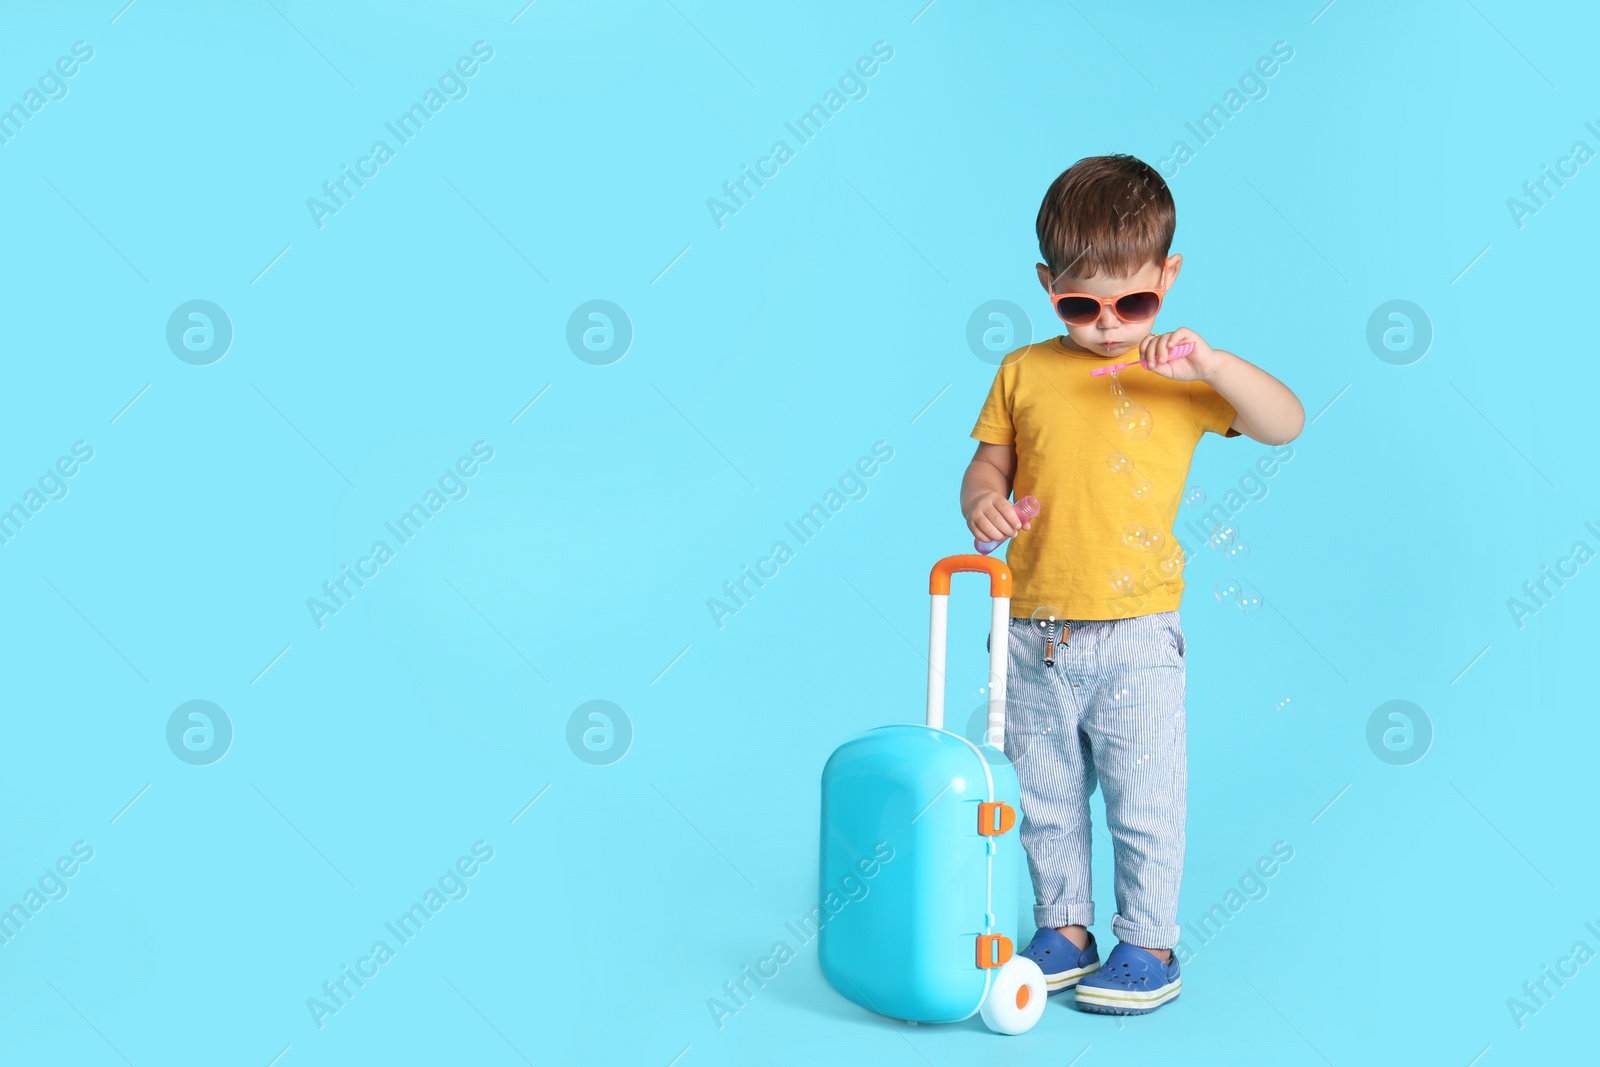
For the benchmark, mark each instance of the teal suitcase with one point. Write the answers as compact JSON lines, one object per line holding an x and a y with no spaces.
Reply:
{"x":921,"y":864}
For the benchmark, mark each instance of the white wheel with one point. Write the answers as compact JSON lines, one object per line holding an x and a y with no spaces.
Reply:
{"x":1016,"y":997}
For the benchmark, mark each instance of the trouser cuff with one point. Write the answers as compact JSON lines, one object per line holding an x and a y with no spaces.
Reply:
{"x":1080,"y":913}
{"x":1145,"y":935}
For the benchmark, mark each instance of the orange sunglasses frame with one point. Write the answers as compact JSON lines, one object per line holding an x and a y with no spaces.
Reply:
{"x":1109,"y":301}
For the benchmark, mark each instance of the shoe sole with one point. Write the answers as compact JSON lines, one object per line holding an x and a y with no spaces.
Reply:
{"x":1108,"y":1003}
{"x":1065,"y":980}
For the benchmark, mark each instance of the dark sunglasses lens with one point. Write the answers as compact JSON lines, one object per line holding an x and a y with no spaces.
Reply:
{"x":1077,"y":310}
{"x":1136,"y":307}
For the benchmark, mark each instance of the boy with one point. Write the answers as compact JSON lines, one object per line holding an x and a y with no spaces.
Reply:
{"x":1096,"y":682}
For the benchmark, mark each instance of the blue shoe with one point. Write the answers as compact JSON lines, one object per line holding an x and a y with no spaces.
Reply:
{"x":1062,"y":962}
{"x":1132,"y":982}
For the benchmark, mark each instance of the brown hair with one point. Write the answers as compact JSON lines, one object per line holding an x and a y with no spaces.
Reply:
{"x":1106,"y":213}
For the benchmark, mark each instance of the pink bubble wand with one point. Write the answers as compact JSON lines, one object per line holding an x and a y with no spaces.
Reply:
{"x":1027,"y":510}
{"x":1175,"y":352}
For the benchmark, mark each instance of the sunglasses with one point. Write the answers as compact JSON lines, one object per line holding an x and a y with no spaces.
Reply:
{"x":1080,"y":309}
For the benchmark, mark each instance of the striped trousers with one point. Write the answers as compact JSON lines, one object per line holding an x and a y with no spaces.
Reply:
{"x":1109,"y":712}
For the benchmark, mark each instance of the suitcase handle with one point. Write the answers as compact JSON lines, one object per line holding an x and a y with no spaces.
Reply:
{"x":999,"y":574}
{"x":999,"y":619}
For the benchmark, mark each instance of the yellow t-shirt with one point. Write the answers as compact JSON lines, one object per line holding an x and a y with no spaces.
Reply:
{"x":1102,"y":546}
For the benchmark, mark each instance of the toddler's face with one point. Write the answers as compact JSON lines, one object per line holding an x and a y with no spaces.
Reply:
{"x":1108,"y":335}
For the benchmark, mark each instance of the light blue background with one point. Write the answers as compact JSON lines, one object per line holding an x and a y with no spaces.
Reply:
{"x":768,"y":355}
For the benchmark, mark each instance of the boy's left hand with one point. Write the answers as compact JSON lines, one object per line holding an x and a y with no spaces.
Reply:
{"x":1198,"y":365}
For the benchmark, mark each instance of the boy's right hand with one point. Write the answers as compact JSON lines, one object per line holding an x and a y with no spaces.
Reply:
{"x":992,"y":518}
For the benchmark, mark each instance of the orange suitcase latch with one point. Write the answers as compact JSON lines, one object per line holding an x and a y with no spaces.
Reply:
{"x":995,"y":817}
{"x":993,"y":950}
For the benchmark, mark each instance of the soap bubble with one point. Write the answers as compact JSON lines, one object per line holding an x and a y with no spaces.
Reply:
{"x":1237,"y":550}
{"x":1195,"y":496}
{"x":1123,"y":581}
{"x":1119,"y":463}
{"x":1122,"y":408}
{"x":1019,"y":730}
{"x":1142,"y":489}
{"x":1224,"y":535}
{"x":1171,"y":565}
{"x":1227,"y":591}
{"x":1143,"y":538}
{"x":1250,"y":600}
{"x":1045,"y":614}
{"x":1136,"y":423}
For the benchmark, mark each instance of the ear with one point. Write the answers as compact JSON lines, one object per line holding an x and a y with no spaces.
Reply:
{"x":1044,"y":276}
{"x":1170,"y":270}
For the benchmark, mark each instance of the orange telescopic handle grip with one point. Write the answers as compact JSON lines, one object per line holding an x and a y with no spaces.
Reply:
{"x":999,"y":574}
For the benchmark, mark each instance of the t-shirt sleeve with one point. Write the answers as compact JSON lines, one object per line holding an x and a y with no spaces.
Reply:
{"x":1212,"y":411}
{"x":994,"y":426}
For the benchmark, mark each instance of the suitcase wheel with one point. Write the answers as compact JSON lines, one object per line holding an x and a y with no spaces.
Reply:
{"x":1016,"y":997}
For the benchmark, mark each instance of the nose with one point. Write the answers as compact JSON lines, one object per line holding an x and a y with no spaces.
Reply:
{"x":1108,"y":320}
